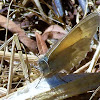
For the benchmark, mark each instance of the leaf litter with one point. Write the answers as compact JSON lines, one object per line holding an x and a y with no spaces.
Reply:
{"x":24,"y":20}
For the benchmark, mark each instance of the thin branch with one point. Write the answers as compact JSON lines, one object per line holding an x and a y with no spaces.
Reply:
{"x":11,"y":69}
{"x":95,"y":59}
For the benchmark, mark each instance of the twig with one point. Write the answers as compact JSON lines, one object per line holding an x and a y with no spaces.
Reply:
{"x":8,"y":21}
{"x":24,"y":66}
{"x":37,"y":2}
{"x":84,"y":67}
{"x":6,"y":33}
{"x":94,"y":93}
{"x":9,"y":40}
{"x":37,"y":13}
{"x":94,"y":60}
{"x":18,"y":83}
{"x":2,"y":91}
{"x":57,"y":6}
{"x":25,"y":2}
{"x":1,"y":47}
{"x":55,"y":16}
{"x":11,"y":69}
{"x":31,"y":58}
{"x":86,"y":8}
{"x":77,"y":18}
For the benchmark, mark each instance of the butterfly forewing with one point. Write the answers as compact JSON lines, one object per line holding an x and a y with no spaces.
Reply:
{"x":73,"y":48}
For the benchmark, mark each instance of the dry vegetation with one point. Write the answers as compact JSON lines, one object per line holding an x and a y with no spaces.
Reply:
{"x":28,"y":29}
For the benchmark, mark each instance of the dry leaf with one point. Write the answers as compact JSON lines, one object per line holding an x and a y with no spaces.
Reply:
{"x":42,"y":47}
{"x":54,"y":31}
{"x":31,"y":44}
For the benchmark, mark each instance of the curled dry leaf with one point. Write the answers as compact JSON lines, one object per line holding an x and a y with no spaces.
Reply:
{"x":54,"y":31}
{"x":97,"y":2}
{"x":42,"y":47}
{"x":31,"y":44}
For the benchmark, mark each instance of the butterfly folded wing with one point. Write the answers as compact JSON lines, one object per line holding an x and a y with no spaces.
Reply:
{"x":72,"y":48}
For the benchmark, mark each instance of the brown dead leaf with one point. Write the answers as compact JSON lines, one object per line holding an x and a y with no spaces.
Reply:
{"x":97,"y":2}
{"x":42,"y":47}
{"x":31,"y":44}
{"x":54,"y":31}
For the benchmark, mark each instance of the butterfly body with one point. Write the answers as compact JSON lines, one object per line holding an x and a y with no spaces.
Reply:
{"x":69,"y":51}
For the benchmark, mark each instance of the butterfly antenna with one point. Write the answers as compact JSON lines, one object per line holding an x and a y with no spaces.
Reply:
{"x":46,"y":62}
{"x":39,"y":80}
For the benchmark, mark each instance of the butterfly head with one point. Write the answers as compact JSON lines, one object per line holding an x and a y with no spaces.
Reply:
{"x":44,"y":66}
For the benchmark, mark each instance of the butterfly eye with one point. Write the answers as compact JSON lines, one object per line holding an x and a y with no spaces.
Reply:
{"x":42,"y":64}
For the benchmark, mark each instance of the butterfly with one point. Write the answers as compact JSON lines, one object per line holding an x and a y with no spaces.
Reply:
{"x":69,"y":51}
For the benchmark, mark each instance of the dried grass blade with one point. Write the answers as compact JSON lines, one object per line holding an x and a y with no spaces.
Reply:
{"x":6,"y":43}
{"x":83,"y":68}
{"x":31,"y":58}
{"x":94,"y":60}
{"x":11,"y":68}
{"x":24,"y":66}
{"x":37,"y":2}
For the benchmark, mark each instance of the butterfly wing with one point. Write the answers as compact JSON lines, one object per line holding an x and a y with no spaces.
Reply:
{"x":73,"y":48}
